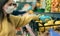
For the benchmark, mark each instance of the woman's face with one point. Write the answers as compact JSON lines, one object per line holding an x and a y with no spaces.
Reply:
{"x":7,"y":5}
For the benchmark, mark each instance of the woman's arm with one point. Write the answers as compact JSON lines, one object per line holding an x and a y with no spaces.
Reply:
{"x":27,"y":18}
{"x":3,"y":33}
{"x":23,"y":20}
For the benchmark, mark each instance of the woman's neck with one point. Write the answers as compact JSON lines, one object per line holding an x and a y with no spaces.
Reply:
{"x":5,"y":14}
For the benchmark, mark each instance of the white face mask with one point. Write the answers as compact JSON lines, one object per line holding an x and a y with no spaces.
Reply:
{"x":15,"y":8}
{"x":10,"y":9}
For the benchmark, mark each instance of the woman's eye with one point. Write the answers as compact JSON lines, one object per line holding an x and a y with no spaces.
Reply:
{"x":10,"y":4}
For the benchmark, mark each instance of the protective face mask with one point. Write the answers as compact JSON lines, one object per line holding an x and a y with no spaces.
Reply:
{"x":15,"y":8}
{"x":10,"y":9}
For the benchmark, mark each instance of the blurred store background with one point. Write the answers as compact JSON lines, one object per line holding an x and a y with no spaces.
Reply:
{"x":49,"y":23}
{"x":42,"y":5}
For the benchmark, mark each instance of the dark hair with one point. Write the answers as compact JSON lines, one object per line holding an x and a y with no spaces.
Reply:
{"x":2,"y":3}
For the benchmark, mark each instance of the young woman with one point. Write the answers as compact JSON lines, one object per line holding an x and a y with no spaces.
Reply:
{"x":8,"y":23}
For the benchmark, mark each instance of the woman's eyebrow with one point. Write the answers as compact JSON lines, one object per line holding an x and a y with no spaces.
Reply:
{"x":10,"y":3}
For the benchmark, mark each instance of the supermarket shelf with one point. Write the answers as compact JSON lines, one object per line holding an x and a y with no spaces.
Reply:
{"x":50,"y":25}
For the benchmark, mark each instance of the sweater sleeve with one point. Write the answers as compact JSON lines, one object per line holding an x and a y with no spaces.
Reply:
{"x":23,"y":20}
